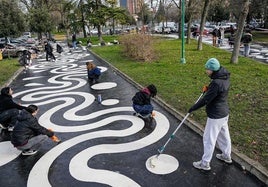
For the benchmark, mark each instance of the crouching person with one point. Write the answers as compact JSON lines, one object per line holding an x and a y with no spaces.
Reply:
{"x":93,"y":72}
{"x":142,"y":103}
{"x":9,"y":110}
{"x":28,"y":134}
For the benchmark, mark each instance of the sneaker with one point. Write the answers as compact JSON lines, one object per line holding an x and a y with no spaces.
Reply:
{"x":29,"y":152}
{"x":221,"y":157}
{"x":2,"y":127}
{"x":10,"y":128}
{"x":201,"y":165}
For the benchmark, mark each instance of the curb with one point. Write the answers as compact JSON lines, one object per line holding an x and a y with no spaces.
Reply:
{"x":252,"y":166}
{"x":13,"y":77}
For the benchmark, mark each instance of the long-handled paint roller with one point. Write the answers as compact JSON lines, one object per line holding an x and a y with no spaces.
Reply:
{"x":161,"y":150}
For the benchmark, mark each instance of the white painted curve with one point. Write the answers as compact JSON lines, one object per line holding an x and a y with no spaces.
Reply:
{"x":41,"y":168}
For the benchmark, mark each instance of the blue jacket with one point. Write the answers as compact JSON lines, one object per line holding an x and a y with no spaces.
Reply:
{"x":94,"y":73}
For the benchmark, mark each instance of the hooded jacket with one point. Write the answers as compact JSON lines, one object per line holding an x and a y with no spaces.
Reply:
{"x":6,"y":102}
{"x":27,"y":127}
{"x":216,"y":97}
{"x":142,"y":97}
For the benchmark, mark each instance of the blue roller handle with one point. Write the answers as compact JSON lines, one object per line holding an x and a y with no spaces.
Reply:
{"x":161,"y":150}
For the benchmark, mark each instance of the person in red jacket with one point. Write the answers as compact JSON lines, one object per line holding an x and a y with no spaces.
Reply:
{"x":9,"y":110}
{"x":28,"y":134}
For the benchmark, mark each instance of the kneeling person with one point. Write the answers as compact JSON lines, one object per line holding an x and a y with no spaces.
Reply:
{"x":142,"y":102}
{"x":28,"y":134}
{"x":93,"y":72}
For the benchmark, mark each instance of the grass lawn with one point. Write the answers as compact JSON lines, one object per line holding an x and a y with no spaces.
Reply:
{"x":180,"y":85}
{"x":260,"y":36}
{"x":7,"y":68}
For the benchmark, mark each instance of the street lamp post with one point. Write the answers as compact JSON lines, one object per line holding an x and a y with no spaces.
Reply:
{"x":183,"y":61}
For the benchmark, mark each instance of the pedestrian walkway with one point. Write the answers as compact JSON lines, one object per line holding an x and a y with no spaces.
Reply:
{"x":102,"y":143}
{"x":257,"y":51}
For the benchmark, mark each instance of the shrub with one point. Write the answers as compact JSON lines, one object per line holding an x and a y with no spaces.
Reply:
{"x":138,"y":47}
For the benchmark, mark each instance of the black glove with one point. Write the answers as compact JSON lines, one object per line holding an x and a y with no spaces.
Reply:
{"x":190,"y":110}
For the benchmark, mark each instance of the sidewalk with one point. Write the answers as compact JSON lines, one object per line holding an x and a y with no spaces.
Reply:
{"x":103,"y":143}
{"x":257,"y":51}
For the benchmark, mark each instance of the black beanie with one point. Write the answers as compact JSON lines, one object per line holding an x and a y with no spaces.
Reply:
{"x":5,"y":91}
{"x":32,"y":108}
{"x":152,"y":89}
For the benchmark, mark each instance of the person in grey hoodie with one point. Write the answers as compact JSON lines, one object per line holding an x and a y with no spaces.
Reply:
{"x":217,"y":109}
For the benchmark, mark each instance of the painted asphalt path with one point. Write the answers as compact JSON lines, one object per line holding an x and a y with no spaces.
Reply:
{"x":103,"y":144}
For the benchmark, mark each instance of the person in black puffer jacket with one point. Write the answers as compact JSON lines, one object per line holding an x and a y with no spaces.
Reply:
{"x":49,"y":51}
{"x":142,"y":100}
{"x":28,"y":134}
{"x":215,"y":100}
{"x":9,"y":110}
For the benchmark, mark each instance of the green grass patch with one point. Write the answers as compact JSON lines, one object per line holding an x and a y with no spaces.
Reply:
{"x":7,"y":69}
{"x":260,"y":36}
{"x":95,"y":39}
{"x":180,"y":85}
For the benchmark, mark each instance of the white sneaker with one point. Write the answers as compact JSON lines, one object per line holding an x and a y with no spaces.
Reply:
{"x":201,"y":165}
{"x":2,"y":127}
{"x":29,"y":152}
{"x":221,"y":157}
{"x":10,"y":128}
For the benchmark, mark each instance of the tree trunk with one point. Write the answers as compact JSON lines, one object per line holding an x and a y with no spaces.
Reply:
{"x":189,"y":24}
{"x":189,"y":30}
{"x":202,"y":24}
{"x":239,"y":32}
{"x":83,"y":23}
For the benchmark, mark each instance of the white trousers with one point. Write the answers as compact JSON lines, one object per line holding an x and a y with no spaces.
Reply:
{"x":216,"y":130}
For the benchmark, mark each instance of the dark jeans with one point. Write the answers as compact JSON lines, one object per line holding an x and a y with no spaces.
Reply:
{"x":50,"y":54}
{"x":143,"y":109}
{"x":93,"y":78}
{"x":9,"y":117}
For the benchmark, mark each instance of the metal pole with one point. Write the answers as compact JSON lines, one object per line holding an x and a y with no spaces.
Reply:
{"x":183,"y":61}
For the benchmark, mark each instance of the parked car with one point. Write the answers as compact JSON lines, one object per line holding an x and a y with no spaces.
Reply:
{"x":227,"y":27}
{"x":5,"y":40}
{"x":11,"y":50}
{"x":167,"y":30}
{"x":94,"y":32}
{"x":157,"y":29}
{"x":197,"y":32}
{"x":28,"y":34}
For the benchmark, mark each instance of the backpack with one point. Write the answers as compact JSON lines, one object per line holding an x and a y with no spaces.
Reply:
{"x":247,"y":38}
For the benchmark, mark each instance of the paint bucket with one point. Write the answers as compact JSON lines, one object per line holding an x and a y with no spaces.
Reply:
{"x":99,"y":98}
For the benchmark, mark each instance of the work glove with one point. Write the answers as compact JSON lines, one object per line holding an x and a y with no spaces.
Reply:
{"x":190,"y":110}
{"x":205,"y":89}
{"x":54,"y":138}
